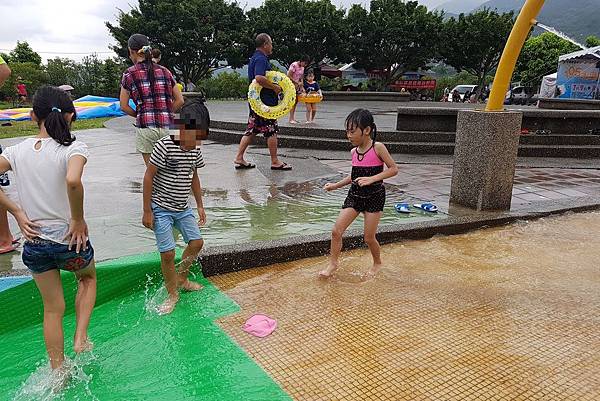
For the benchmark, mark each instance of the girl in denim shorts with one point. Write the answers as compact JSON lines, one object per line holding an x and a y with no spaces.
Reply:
{"x":48,"y":169}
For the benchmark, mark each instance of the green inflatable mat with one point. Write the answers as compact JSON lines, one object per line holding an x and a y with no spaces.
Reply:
{"x":137,"y":354}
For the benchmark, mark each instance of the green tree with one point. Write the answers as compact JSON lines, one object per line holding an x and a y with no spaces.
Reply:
{"x":31,"y":75}
{"x":592,"y":41}
{"x":110,"y":78}
{"x":61,"y":71}
{"x":539,"y":57}
{"x":23,"y":53}
{"x":89,"y":73}
{"x":394,"y":36}
{"x":474,"y":42}
{"x":193,"y":35}
{"x":226,"y":85}
{"x":300,"y":27}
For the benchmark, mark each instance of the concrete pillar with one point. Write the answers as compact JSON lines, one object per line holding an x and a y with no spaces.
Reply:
{"x":484,"y":159}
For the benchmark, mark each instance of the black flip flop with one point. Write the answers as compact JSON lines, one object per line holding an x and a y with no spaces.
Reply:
{"x":239,"y":166}
{"x":284,"y":166}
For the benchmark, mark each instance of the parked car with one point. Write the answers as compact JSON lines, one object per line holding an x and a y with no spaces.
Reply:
{"x":462,"y":89}
{"x":520,"y":95}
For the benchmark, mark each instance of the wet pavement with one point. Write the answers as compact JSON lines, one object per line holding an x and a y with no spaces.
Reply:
{"x":507,"y":313}
{"x":262,"y":204}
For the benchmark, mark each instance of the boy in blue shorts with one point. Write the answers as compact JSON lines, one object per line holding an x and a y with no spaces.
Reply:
{"x":170,"y":177}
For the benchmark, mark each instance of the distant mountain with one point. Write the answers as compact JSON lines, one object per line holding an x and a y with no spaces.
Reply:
{"x":460,"y":6}
{"x":578,"y":19}
{"x":431,"y":4}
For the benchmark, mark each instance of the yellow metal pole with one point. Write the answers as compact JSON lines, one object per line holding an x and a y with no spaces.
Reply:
{"x":523,"y":24}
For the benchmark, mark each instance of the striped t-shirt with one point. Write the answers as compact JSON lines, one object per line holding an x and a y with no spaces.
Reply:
{"x":173,"y":182}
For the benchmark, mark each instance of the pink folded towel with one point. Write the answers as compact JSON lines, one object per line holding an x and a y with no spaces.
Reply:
{"x":260,"y":325}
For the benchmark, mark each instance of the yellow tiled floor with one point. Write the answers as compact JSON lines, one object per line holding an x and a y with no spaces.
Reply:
{"x":500,"y":314}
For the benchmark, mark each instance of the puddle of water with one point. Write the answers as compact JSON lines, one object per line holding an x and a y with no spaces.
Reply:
{"x":262,"y":213}
{"x":296,"y":209}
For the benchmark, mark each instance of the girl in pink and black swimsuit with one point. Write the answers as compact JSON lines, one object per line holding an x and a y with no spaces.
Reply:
{"x":367,"y":193}
{"x":369,"y":198}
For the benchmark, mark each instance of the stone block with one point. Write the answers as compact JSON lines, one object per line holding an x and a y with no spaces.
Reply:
{"x":426,"y":119}
{"x":484,"y":159}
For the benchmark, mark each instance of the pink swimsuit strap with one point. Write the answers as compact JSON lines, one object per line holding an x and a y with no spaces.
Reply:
{"x":370,"y":159}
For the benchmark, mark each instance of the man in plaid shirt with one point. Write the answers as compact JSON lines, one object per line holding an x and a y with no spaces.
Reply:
{"x":154,"y":92}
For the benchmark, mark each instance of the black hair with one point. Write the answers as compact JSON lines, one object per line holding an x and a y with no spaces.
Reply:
{"x":310,"y":72}
{"x":305,"y":58}
{"x":262,"y":39}
{"x":361,"y":118}
{"x":141,"y":44}
{"x":156,"y":53}
{"x":194,"y":115}
{"x":50,"y":105}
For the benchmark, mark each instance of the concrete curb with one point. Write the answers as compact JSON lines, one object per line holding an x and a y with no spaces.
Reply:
{"x":564,"y":122}
{"x":574,"y":146}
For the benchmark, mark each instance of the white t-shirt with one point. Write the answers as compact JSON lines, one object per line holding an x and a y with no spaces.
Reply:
{"x":41,"y":183}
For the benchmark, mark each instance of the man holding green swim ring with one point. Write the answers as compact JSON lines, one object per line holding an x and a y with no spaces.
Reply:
{"x":257,"y":69}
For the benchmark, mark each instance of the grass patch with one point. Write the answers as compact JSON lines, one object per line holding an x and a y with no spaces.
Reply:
{"x":5,"y":105}
{"x":27,"y":128}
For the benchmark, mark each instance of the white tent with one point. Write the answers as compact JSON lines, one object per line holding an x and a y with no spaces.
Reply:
{"x":548,"y":86}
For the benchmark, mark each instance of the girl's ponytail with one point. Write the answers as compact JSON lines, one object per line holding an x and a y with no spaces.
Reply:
{"x":374,"y":129}
{"x":146,"y":51}
{"x":141,"y":45}
{"x":50,"y":106}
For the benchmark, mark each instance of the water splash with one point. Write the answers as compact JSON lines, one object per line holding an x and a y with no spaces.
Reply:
{"x":155,"y":297}
{"x":560,"y":34}
{"x":46,"y":384}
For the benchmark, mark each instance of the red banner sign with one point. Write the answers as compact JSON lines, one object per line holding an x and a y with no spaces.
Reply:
{"x":413,"y":84}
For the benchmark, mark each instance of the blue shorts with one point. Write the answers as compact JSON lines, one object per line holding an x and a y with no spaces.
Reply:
{"x":40,"y":255}
{"x":165,"y":220}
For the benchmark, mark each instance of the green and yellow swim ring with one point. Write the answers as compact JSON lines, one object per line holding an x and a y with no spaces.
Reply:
{"x":283,"y":107}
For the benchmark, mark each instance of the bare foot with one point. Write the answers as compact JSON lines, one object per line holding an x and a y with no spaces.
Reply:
{"x":293,"y":122}
{"x":60,"y":377}
{"x":372,"y":272}
{"x":188,"y":285}
{"x":168,"y":306}
{"x":327,"y":273}
{"x":82,"y":345}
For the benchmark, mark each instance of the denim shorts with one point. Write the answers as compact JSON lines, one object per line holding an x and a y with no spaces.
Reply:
{"x":165,"y":220}
{"x":40,"y":255}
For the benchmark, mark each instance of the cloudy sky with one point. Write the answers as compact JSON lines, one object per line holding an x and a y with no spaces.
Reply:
{"x":73,"y":29}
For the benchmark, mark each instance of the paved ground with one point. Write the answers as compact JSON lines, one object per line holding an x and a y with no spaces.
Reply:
{"x":333,"y":113}
{"x":114,"y":173}
{"x":500,"y":314}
